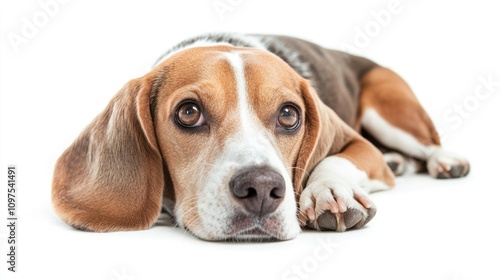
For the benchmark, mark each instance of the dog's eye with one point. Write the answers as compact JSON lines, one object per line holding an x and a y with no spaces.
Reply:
{"x":289,"y":117}
{"x":189,"y":115}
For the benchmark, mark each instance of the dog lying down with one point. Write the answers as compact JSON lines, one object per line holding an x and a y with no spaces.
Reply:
{"x":248,"y":137}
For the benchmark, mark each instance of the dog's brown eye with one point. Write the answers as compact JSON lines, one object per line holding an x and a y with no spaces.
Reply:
{"x":289,"y":118}
{"x":189,"y":115}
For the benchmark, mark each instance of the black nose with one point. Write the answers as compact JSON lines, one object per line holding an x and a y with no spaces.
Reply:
{"x":259,"y":190}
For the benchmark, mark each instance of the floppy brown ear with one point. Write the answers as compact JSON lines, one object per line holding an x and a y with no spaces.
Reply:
{"x":111,"y":177}
{"x":327,"y":134}
{"x":320,"y":135}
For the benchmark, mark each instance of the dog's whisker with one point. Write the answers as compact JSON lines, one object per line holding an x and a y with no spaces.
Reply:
{"x":299,"y":168}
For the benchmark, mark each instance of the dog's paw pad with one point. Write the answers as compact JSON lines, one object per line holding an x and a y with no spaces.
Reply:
{"x":396,"y":163}
{"x":371,"y":213}
{"x":445,"y":165}
{"x":326,"y":221}
{"x":455,"y":171}
{"x":335,"y":207}
{"x":352,"y":217}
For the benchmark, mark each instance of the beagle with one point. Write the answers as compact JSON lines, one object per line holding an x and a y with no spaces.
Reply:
{"x":248,"y":137}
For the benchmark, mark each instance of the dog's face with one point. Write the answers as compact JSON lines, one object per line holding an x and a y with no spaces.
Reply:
{"x":226,"y":133}
{"x":230,"y":124}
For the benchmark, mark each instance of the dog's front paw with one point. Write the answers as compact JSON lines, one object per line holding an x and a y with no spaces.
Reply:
{"x":335,"y":205}
{"x":444,"y":164}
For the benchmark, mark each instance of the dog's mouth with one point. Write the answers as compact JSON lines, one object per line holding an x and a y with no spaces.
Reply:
{"x":252,"y":228}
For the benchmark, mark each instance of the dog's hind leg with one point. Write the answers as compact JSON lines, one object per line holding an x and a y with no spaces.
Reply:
{"x":392,"y":115}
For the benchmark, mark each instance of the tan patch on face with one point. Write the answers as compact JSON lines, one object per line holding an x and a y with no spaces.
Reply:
{"x":204,"y":76}
{"x":271,"y":83}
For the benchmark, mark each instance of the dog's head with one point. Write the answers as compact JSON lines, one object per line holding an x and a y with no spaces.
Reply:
{"x":226,"y":133}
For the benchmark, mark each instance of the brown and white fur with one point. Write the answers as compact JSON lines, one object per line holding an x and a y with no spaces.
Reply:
{"x":240,"y":171}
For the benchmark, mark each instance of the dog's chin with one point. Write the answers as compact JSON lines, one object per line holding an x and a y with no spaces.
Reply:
{"x":245,"y":228}
{"x":256,"y":234}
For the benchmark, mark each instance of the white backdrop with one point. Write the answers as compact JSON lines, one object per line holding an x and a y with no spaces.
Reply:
{"x":62,"y":61}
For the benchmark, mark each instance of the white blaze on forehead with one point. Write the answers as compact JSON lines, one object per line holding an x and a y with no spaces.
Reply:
{"x":241,"y":90}
{"x":251,"y":136}
{"x":251,"y":144}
